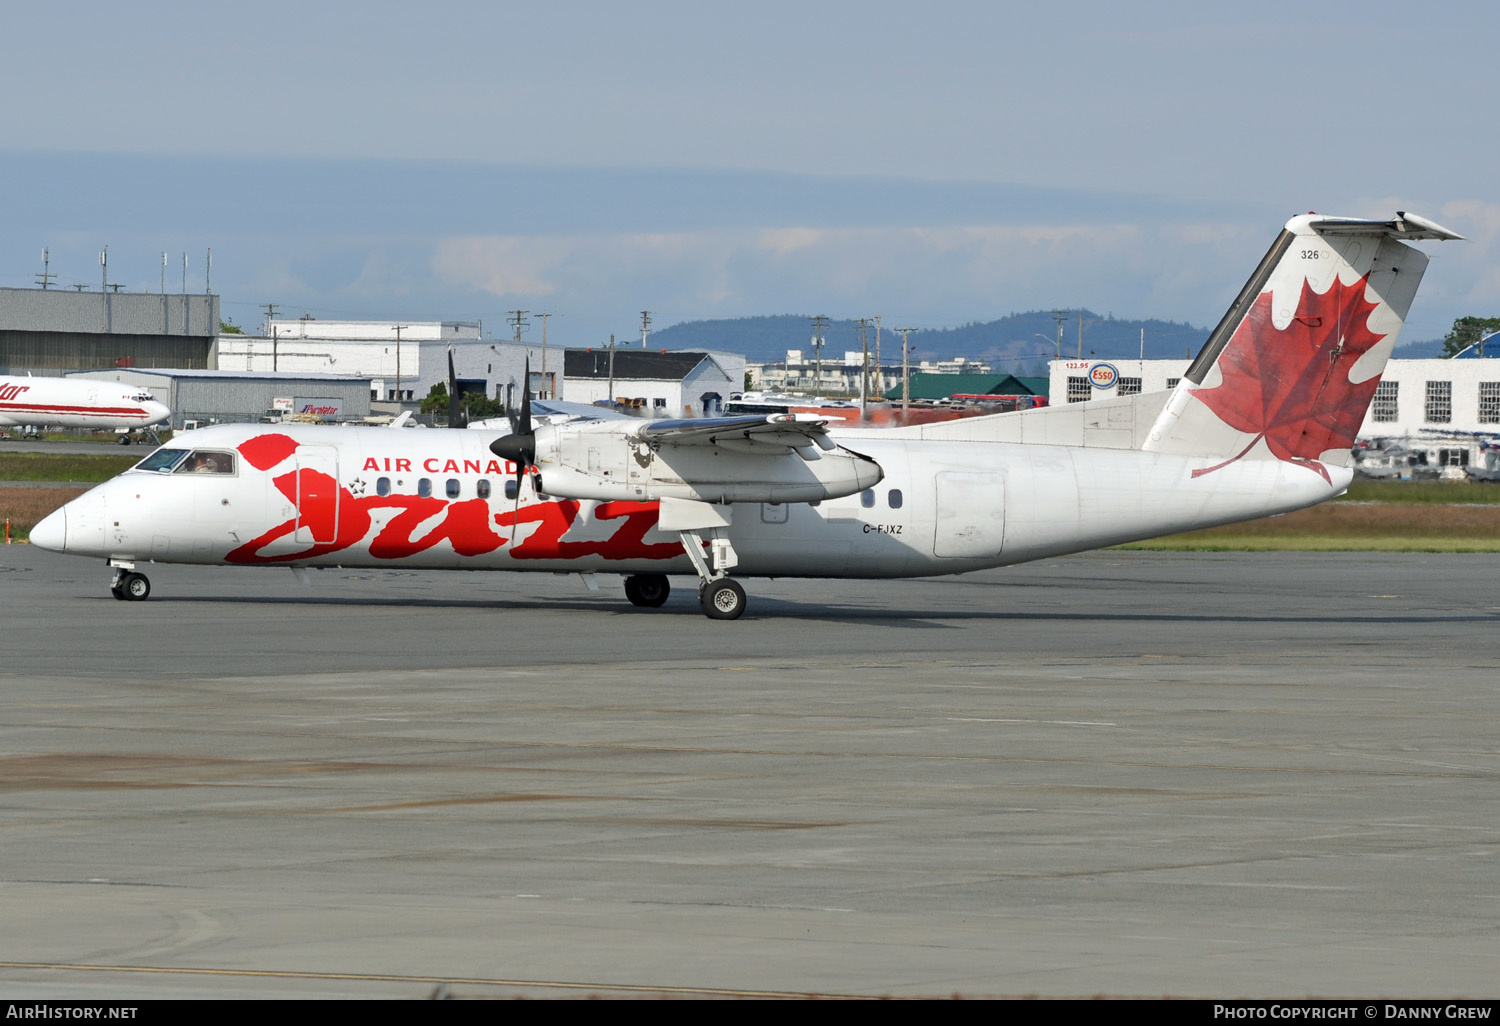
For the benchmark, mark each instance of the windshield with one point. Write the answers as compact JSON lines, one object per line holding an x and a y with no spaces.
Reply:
{"x":162,"y":460}
{"x":205,"y":461}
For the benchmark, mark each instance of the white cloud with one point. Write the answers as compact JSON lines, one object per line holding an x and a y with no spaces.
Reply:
{"x":501,"y":265}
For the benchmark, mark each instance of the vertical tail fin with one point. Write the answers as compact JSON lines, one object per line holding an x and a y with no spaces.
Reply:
{"x":1291,"y":369}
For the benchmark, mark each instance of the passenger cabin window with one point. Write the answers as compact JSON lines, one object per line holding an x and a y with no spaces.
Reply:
{"x":382,"y":486}
{"x":894,"y":498}
{"x":424,"y":487}
{"x":867,"y":498}
{"x":482,"y":488}
{"x":511,"y":488}
{"x":205,"y":462}
{"x":453,"y":488}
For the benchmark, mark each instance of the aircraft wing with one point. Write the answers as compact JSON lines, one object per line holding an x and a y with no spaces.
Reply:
{"x":554,"y":411}
{"x":787,"y":432}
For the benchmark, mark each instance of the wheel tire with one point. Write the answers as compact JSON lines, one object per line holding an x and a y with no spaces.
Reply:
{"x":124,"y":439}
{"x":647,"y":590}
{"x":118,"y":592}
{"x":722,"y":599}
{"x":136,"y":587}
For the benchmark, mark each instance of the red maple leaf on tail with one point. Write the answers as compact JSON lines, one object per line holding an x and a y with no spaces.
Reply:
{"x":1291,"y":385}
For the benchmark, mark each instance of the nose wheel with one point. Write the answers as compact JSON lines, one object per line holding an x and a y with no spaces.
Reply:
{"x":129,"y":586}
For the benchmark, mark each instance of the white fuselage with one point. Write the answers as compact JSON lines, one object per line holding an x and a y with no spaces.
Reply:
{"x":76,"y":403}
{"x":942,"y":507}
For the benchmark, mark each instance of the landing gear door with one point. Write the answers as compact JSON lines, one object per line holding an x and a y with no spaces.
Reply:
{"x":970,"y":515}
{"x":317,"y":493}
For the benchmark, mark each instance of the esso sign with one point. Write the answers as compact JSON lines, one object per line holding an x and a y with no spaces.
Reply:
{"x":1104,"y":375}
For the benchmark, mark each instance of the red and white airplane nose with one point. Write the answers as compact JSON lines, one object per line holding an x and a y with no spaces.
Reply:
{"x":52,"y":532}
{"x":156,"y":413}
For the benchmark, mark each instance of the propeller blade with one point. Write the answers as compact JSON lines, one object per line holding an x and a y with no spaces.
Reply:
{"x":526,"y":400}
{"x":457,"y":418}
{"x":520,"y":445}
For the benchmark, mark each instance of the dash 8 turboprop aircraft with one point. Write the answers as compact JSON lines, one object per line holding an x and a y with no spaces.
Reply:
{"x":1261,"y":423}
{"x":78,"y":403}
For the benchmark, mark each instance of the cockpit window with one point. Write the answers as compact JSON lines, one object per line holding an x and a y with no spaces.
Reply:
{"x":162,"y":460}
{"x":205,"y":461}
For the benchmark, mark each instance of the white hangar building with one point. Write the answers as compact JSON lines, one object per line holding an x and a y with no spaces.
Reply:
{"x":654,"y":383}
{"x":402,"y":360}
{"x":1450,"y":408}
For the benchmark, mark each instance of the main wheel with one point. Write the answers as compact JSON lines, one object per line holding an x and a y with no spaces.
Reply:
{"x":118,"y":592}
{"x":722,"y":599}
{"x":649,"y":590}
{"x":136,"y":587}
{"x":124,"y":439}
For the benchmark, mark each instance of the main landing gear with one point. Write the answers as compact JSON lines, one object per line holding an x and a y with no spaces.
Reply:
{"x":722,"y":599}
{"x":647,"y":590}
{"x":129,"y":586}
{"x":719,"y":597}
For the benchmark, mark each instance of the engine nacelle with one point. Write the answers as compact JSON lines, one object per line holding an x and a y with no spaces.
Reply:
{"x":702,"y":473}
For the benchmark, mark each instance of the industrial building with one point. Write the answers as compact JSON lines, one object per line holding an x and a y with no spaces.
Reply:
{"x":402,"y":360}
{"x":831,"y":376}
{"x":198,"y":397}
{"x":52,"y":331}
{"x":1448,"y":410}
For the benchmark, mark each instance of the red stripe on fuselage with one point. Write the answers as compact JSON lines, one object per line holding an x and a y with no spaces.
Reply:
{"x":97,"y":411}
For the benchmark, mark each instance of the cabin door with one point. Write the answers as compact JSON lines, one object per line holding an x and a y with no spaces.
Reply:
{"x":317,"y":493}
{"x":970,"y":515}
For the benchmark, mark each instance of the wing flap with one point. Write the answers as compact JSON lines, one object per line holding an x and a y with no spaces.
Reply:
{"x":786,"y":432}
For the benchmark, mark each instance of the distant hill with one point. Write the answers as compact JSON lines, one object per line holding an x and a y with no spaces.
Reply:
{"x":1431,"y":349}
{"x":1011,"y":343}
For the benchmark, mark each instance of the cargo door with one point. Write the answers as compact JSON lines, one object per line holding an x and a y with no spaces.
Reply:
{"x":970,"y":515}
{"x":317,"y":493}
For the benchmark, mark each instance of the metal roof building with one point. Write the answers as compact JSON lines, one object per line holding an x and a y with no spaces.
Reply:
{"x":247,"y":396}
{"x":944,"y":386}
{"x":49,"y":331}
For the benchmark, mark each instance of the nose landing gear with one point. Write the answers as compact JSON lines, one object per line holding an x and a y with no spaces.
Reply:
{"x":129,"y":586}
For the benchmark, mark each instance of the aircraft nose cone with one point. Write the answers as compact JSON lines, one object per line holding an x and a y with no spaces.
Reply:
{"x":158,"y":412}
{"x":52,"y":532}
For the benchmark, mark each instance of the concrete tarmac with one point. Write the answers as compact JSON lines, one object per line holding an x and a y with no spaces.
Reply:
{"x":1141,"y":774}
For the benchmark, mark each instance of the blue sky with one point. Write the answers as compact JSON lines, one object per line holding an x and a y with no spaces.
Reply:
{"x":936,"y":164}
